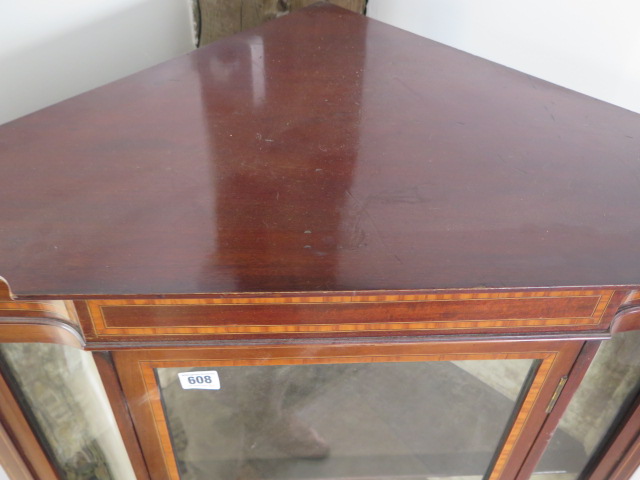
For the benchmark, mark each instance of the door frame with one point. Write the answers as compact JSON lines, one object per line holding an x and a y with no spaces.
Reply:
{"x":136,"y":372}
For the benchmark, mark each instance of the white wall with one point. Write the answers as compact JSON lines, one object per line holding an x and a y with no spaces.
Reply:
{"x":592,"y":46}
{"x":51,"y":50}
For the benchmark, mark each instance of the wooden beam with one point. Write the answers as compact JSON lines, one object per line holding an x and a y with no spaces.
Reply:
{"x":221,"y":18}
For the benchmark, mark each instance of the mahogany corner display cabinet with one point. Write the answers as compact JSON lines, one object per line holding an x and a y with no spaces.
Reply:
{"x":321,"y":249}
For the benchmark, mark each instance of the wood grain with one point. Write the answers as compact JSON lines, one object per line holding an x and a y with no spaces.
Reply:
{"x":39,"y":331}
{"x":11,"y":460}
{"x":320,"y":176}
{"x":356,"y":6}
{"x":5,"y":290}
{"x":23,"y":437}
{"x":620,"y":457}
{"x":136,"y":370}
{"x":322,"y":152}
{"x":445,"y":313}
{"x":543,"y":437}
{"x":53,"y":321}
{"x":52,"y":309}
{"x":627,"y":317}
{"x":120,"y":410}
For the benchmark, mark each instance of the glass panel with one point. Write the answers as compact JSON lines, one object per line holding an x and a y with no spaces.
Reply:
{"x":405,"y":420}
{"x":60,"y":390}
{"x":611,"y":382}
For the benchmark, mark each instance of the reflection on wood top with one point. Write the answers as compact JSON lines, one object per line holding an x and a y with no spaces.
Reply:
{"x":320,"y":152}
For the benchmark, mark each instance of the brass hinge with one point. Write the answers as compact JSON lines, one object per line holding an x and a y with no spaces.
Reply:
{"x":556,"y":394}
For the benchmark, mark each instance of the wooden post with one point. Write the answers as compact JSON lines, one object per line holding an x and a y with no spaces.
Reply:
{"x":221,"y":18}
{"x":353,"y":5}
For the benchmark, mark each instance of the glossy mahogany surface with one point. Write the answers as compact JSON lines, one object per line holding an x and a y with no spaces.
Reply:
{"x":321,"y":151}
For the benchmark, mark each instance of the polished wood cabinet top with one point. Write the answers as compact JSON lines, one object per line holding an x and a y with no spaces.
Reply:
{"x":323,"y":151}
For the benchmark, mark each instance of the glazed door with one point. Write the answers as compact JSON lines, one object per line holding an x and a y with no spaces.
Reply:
{"x":603,"y":415}
{"x":388,"y":411}
{"x":55,"y":416}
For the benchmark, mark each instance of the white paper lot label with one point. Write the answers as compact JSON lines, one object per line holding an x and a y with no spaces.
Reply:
{"x":200,"y":380}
